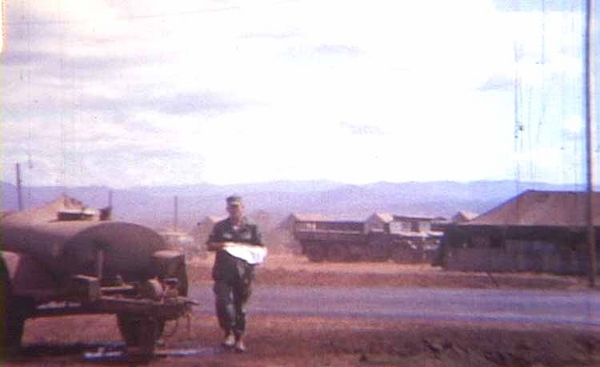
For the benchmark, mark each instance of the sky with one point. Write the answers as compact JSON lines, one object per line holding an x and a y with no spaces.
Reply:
{"x":125,"y":93}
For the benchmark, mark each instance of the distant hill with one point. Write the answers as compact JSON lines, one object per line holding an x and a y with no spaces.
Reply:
{"x":154,"y":206}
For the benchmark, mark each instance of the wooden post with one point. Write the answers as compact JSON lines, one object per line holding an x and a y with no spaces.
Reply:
{"x":19,"y":188}
{"x":175,"y":215}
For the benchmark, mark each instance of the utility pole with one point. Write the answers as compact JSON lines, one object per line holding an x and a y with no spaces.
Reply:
{"x":589,"y":110}
{"x":176,"y":212}
{"x":19,"y":189}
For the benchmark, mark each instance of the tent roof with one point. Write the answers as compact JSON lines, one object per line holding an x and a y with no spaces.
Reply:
{"x":48,"y":212}
{"x":384,"y":217}
{"x":541,"y":208}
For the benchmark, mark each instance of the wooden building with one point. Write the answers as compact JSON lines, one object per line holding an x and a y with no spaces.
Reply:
{"x":540,"y":231}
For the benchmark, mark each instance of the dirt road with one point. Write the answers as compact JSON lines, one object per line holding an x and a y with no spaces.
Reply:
{"x":578,"y":308}
{"x":338,"y":341}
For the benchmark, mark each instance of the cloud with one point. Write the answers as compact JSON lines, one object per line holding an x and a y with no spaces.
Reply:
{"x":534,"y":6}
{"x":498,"y":82}
{"x":323,"y":54}
{"x":128,"y":92}
{"x":343,"y":50}
{"x":11,"y":58}
{"x":283,"y":35}
{"x":361,"y":129}
{"x":193,"y":103}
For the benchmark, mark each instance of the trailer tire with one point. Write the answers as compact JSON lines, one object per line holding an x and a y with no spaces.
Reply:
{"x":15,"y":321}
{"x":399,"y":255}
{"x":135,"y":329}
{"x":140,"y":332}
{"x":338,"y":252}
{"x":358,"y":253}
{"x":315,"y":252}
{"x":406,"y":255}
{"x":13,"y":313}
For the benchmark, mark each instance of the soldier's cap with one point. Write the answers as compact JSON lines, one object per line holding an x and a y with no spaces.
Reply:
{"x":234,"y":200}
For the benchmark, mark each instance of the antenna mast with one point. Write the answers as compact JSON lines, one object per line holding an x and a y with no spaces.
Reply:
{"x":589,"y":110}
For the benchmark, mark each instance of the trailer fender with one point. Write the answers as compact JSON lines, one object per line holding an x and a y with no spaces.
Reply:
{"x":16,"y":272}
{"x":166,"y":262}
{"x":9,"y":261}
{"x":26,"y":276}
{"x":171,"y":264}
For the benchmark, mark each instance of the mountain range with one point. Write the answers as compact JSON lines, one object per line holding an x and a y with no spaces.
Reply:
{"x":155,"y":206}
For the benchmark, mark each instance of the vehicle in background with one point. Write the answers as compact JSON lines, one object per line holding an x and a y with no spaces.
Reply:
{"x":403,"y":239}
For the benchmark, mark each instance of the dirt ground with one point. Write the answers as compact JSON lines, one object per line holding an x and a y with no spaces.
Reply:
{"x":310,"y":341}
{"x":297,"y":270}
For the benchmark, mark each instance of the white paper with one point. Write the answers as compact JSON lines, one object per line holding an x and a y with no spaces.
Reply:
{"x":253,"y":255}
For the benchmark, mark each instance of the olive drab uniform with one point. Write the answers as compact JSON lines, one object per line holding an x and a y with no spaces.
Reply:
{"x":233,"y":277}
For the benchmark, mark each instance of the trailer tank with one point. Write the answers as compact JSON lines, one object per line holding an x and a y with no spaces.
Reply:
{"x":65,"y":252}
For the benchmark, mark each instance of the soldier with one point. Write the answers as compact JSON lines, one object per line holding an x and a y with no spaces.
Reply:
{"x":239,"y":247}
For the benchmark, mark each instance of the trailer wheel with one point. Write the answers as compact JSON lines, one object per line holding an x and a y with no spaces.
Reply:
{"x":338,"y":252}
{"x":405,"y":255}
{"x":357,"y":253}
{"x":140,"y":332}
{"x":315,"y":252}
{"x":135,"y":328}
{"x":13,"y":313}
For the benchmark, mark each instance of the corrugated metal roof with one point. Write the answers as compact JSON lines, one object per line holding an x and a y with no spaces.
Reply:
{"x":541,"y":208}
{"x":384,"y":217}
{"x":310,"y":217}
{"x":411,"y":217}
{"x":464,"y":216}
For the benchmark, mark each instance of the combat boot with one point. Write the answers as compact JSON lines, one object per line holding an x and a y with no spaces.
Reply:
{"x":229,"y":341}
{"x":239,"y":345}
